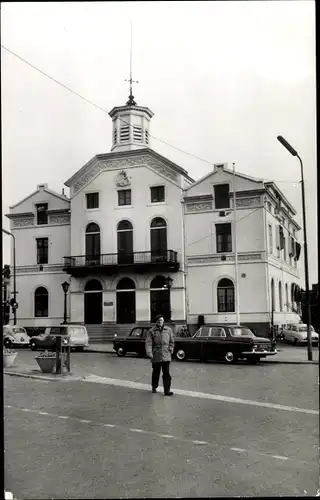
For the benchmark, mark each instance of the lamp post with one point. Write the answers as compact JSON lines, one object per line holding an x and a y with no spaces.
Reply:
{"x":14,"y":306}
{"x":169,"y":282}
{"x":65,"y":287}
{"x":293,"y":152}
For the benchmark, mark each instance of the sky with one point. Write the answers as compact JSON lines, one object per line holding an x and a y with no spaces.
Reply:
{"x":224,"y":79}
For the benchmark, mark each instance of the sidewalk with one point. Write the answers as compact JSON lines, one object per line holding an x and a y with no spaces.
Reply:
{"x":286,"y":353}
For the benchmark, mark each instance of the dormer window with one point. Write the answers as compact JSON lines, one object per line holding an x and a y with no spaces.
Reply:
{"x":42,"y":213}
{"x":137,"y":133}
{"x":124,"y":133}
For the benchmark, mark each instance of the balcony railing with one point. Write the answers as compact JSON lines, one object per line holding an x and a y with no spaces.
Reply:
{"x":136,"y":261}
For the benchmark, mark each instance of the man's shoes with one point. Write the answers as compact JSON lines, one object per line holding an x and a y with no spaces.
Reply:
{"x":170,"y":393}
{"x":154,"y":391}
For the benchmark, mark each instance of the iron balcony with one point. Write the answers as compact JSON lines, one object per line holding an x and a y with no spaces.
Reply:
{"x":112,"y":263}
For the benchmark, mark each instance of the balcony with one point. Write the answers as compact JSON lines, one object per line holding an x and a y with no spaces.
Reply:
{"x":113,"y":263}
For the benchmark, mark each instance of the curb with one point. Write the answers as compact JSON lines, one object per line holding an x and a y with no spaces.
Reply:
{"x":62,"y":378}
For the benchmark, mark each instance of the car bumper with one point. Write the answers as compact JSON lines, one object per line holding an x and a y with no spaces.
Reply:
{"x":259,"y":353}
{"x":21,"y":344}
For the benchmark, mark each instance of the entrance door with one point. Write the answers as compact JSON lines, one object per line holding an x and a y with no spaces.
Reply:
{"x":93,"y":308}
{"x":126,"y":306}
{"x":160,"y":304}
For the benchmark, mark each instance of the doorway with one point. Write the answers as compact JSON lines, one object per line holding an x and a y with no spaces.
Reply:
{"x":93,"y":303}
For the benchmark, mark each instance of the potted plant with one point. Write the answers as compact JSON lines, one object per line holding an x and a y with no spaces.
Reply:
{"x":8,"y":357}
{"x":46,"y":361}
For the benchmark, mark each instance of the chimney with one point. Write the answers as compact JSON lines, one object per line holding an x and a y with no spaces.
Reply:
{"x":63,"y":192}
{"x":220,"y":166}
{"x":42,"y":186}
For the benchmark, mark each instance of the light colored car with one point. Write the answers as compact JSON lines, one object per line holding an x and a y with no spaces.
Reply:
{"x":76,"y":335}
{"x":297,"y":334}
{"x":15,"y":336}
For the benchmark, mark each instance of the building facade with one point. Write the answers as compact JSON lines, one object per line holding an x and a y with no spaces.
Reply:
{"x":137,"y":236}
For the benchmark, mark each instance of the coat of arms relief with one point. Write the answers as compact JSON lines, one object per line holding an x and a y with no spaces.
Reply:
{"x":122,"y":179}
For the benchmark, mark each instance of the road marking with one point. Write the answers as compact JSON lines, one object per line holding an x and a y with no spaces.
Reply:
{"x":169,"y":436}
{"x":202,"y":395}
{"x":43,"y":413}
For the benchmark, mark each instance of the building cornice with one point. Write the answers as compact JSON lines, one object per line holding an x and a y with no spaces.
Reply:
{"x":20,"y":215}
{"x":141,"y":109}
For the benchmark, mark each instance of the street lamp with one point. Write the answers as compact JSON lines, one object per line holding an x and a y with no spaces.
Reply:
{"x":169,"y":282}
{"x":65,"y":288}
{"x":14,"y":306}
{"x":293,"y":152}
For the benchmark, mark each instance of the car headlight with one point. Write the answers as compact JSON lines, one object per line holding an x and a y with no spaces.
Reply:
{"x":254,"y":347}
{"x":115,"y":335}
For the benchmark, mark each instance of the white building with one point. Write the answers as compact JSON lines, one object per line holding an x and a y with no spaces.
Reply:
{"x":138,"y":236}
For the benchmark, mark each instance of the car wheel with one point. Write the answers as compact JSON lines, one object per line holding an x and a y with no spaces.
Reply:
{"x":180,"y":355}
{"x":7,"y":343}
{"x":230,"y":357}
{"x":33,"y":346}
{"x":121,"y":352}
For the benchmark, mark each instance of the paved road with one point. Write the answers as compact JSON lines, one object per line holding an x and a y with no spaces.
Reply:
{"x":293,"y":385}
{"x":86,"y":440}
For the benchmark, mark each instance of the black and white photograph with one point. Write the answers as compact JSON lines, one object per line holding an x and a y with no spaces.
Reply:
{"x":160,"y":289}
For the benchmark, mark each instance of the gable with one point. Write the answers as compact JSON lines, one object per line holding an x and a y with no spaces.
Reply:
{"x":41,"y":195}
{"x":123,"y":161}
{"x":221,"y":175}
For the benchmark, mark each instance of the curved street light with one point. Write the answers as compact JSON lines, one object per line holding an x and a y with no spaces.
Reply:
{"x":293,"y":152}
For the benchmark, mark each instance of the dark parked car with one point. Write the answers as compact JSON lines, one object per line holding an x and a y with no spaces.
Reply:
{"x":219,"y":342}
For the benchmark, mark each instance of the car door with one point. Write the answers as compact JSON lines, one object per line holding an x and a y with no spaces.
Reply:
{"x":198,"y":344}
{"x":133,"y":342}
{"x":48,"y":341}
{"x":216,"y":343}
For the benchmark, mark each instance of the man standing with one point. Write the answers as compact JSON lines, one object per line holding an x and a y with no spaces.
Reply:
{"x":159,"y":348}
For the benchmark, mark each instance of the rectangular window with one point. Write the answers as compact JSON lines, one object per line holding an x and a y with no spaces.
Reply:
{"x":157,"y":194}
{"x":224,"y":239}
{"x":42,"y":250}
{"x":221,"y":196}
{"x":284,"y":249}
{"x":270,"y":238}
{"x":42,"y":213}
{"x":124,"y":197}
{"x":92,"y":200}
{"x":137,"y":133}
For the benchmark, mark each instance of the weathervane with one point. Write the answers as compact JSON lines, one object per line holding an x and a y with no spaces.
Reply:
{"x":131,"y":101}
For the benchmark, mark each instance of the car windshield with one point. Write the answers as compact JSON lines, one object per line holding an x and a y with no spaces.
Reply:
{"x":76,"y":330}
{"x":304,"y":328}
{"x":18,"y":329}
{"x":241,"y":332}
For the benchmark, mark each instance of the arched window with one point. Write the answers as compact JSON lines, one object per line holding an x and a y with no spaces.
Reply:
{"x":287,"y":298}
{"x":41,"y":302}
{"x":280,"y":297}
{"x":92,"y":244}
{"x":93,"y":286}
{"x":126,"y":284}
{"x":273,"y":302}
{"x":125,"y":242}
{"x":126,"y":301}
{"x":225,"y":292}
{"x":160,"y":301}
{"x":158,"y":240}
{"x":93,"y":302}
